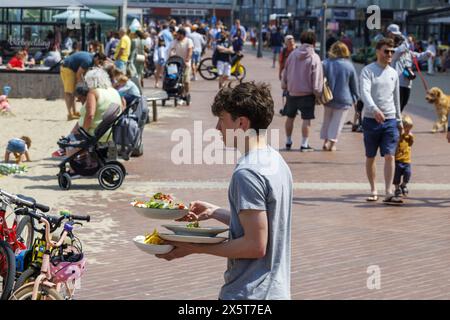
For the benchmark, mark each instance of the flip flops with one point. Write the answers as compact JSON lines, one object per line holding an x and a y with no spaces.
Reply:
{"x":393,"y":200}
{"x":372,"y":198}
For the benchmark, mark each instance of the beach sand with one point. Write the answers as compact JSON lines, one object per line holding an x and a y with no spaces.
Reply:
{"x":45,"y":122}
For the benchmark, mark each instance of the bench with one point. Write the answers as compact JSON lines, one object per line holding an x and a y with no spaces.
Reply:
{"x":153,"y":96}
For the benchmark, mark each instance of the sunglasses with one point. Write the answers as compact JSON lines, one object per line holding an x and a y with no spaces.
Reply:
{"x":387,"y":51}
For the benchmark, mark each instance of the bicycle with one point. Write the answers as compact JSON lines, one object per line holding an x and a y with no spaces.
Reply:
{"x":12,"y":239}
{"x":55,"y":274}
{"x":208,"y":70}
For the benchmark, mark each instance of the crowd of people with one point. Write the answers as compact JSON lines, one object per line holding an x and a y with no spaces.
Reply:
{"x":379,"y":96}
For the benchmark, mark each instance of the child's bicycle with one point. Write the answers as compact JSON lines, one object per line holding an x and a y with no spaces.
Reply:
{"x":208,"y":70}
{"x":16,"y":239}
{"x":57,"y":267}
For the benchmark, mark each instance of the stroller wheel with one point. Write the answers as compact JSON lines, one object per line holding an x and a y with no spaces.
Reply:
{"x":111,"y":177}
{"x":64,"y":181}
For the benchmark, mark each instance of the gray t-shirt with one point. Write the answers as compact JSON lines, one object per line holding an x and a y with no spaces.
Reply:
{"x":261,"y":181}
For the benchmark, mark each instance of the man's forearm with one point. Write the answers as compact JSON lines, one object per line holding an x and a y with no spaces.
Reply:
{"x":241,"y":248}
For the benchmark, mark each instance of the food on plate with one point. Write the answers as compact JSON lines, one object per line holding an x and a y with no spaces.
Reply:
{"x":153,"y":238}
{"x":195,"y":224}
{"x":159,"y":201}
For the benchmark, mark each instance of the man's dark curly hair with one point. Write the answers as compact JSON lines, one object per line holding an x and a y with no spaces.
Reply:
{"x":247,"y":99}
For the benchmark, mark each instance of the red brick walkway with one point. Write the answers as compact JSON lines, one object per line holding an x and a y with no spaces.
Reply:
{"x":336,"y":234}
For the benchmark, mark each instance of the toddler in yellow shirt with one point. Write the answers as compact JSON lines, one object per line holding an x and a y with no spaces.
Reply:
{"x":403,"y":158}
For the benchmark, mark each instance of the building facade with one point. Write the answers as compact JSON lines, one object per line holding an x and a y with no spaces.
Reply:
{"x":184,"y":9}
{"x":349,"y":16}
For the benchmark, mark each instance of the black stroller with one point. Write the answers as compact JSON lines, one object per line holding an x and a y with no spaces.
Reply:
{"x":173,"y":79}
{"x":100,"y":159}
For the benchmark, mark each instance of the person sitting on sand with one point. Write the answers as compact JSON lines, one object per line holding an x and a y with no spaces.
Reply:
{"x":20,"y":149}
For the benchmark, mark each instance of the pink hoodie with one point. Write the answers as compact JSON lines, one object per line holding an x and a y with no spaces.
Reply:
{"x":303,"y":73}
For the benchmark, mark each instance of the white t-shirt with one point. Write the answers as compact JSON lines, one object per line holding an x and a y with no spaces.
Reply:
{"x":149,"y":43}
{"x":181,"y":48}
{"x":198,"y":40}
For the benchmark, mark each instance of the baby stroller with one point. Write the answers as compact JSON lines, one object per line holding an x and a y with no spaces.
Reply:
{"x":173,"y":79}
{"x":93,"y":157}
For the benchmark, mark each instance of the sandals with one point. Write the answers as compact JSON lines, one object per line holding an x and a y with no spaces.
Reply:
{"x":372,"y":198}
{"x":393,"y":200}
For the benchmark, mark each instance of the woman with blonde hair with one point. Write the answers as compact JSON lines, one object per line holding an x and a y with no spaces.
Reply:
{"x":343,"y":81}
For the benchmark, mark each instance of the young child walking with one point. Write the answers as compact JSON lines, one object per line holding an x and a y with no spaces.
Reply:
{"x":403,"y":158}
{"x":19,"y":148}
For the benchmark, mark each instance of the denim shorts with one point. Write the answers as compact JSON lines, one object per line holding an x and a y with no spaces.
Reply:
{"x":16,"y":146}
{"x":380,"y":135}
{"x":196,"y":57}
{"x":121,"y":65}
{"x":277,"y":50}
{"x":306,"y":105}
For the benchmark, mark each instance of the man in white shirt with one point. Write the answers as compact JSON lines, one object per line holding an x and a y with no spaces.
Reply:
{"x":183,"y":46}
{"x":199,"y":42}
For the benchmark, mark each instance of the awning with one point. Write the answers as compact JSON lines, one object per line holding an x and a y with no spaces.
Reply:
{"x":40,"y":4}
{"x":89,"y":14}
{"x":444,"y":20}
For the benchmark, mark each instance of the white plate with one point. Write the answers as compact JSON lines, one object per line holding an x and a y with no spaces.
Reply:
{"x":152,"y":248}
{"x":191,"y":239}
{"x":164,"y":214}
{"x":182,"y":230}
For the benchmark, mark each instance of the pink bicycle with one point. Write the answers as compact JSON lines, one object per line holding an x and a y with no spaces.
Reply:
{"x":62,"y":265}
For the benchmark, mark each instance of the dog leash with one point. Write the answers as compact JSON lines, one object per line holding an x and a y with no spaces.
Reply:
{"x":420,"y":74}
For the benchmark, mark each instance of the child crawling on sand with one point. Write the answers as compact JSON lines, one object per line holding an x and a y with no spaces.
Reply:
{"x":19,"y":148}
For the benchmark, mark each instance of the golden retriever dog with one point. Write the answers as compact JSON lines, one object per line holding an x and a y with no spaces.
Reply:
{"x":441,"y":102}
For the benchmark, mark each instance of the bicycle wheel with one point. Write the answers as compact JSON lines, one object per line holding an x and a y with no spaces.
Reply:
{"x":28,"y":275}
{"x":45,"y":293}
{"x":25,"y":231}
{"x":207,"y":70}
{"x":240,"y":73}
{"x":7,"y":270}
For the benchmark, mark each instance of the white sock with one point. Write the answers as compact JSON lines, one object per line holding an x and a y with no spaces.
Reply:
{"x":288,"y":140}
{"x":304,"y":142}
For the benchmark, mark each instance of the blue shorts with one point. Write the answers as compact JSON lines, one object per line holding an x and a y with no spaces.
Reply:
{"x":16,"y":146}
{"x":380,"y":135}
{"x":196,"y":57}
{"x":121,"y":65}
{"x":277,"y":50}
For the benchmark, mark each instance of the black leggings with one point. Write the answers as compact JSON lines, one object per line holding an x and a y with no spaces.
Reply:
{"x":404,"y":97}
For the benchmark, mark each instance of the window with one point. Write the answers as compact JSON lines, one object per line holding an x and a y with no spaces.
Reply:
{"x":31,"y":15}
{"x":14,"y":14}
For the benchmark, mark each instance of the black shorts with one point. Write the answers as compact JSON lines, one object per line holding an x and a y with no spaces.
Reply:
{"x":305,"y":104}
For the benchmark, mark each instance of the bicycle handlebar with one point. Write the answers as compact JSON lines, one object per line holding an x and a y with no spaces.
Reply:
{"x":22,"y":200}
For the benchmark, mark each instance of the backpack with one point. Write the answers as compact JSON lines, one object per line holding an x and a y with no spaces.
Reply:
{"x":126,"y":135}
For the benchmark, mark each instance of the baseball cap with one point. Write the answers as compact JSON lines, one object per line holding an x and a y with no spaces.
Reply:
{"x":288,"y":37}
{"x":395,"y":29}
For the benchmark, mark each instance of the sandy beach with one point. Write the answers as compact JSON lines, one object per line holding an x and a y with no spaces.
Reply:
{"x":45,"y":122}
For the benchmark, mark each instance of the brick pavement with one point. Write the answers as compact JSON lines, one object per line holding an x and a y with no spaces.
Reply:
{"x":336,"y":234}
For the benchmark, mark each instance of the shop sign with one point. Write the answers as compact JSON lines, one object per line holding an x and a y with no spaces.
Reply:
{"x":344,"y":14}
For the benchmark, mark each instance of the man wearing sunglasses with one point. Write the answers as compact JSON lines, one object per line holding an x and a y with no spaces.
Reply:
{"x":379,"y":85}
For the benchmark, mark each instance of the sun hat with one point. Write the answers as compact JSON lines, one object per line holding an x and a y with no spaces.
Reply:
{"x":395,"y":29}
